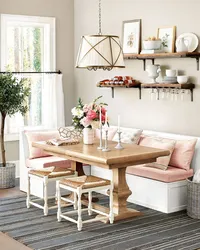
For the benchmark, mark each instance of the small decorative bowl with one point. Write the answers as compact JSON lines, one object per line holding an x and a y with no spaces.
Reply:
{"x":182,"y":79}
{"x":152,"y":44}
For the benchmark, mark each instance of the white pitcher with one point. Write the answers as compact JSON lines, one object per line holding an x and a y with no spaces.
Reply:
{"x":153,"y":72}
{"x":181,"y":45}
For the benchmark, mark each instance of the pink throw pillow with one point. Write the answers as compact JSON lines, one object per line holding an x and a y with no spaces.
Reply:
{"x":162,"y":143}
{"x":183,"y":153}
{"x":39,"y":136}
{"x":111,"y":133}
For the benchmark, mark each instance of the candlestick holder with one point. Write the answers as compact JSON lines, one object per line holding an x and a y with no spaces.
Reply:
{"x":100,"y":142}
{"x":119,"y":145}
{"x":106,"y":149}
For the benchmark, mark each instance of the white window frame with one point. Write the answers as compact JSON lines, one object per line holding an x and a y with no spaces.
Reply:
{"x":49,"y":25}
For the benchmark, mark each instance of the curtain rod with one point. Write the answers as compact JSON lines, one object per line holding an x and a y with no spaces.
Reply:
{"x":42,"y":72}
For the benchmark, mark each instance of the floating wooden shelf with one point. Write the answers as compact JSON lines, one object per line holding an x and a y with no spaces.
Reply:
{"x":168,"y":85}
{"x":137,"y":85}
{"x":152,"y":57}
{"x":158,"y":86}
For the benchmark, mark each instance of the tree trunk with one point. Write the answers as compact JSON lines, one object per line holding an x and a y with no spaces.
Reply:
{"x":3,"y":151}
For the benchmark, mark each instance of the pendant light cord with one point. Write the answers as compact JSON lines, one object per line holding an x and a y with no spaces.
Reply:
{"x":100,"y":17}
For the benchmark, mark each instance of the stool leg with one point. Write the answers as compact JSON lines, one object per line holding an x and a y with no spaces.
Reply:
{"x":45,"y":196}
{"x":28,"y":193}
{"x":75,"y":200}
{"x":90,"y":203}
{"x":59,"y":201}
{"x":79,"y":222}
{"x":111,"y":214}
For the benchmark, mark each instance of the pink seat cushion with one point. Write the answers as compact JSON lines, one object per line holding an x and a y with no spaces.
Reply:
{"x":183,"y":153}
{"x":39,"y":136}
{"x":170,"y":175}
{"x":45,"y":162}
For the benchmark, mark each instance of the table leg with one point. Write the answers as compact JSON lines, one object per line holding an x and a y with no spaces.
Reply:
{"x":121,"y":193}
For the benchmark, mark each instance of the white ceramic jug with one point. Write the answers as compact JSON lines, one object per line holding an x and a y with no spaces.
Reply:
{"x":181,"y":45}
{"x":153,"y":72}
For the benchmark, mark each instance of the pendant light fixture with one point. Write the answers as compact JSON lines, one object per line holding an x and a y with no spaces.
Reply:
{"x":100,"y":51}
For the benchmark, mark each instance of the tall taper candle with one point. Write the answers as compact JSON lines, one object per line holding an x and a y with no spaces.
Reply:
{"x":100,"y":120}
{"x":118,"y":123}
{"x":106,"y":119}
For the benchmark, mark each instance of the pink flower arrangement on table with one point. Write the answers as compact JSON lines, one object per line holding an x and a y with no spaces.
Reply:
{"x":88,"y":115}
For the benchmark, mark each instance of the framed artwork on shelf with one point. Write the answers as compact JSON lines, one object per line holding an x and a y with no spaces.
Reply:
{"x":131,"y":35}
{"x":167,"y":36}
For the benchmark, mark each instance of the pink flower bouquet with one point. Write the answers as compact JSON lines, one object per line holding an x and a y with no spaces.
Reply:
{"x":88,"y":115}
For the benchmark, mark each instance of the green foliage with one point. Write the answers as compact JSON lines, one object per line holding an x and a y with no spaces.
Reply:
{"x":13,"y":95}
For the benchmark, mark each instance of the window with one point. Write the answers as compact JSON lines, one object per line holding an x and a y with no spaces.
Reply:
{"x":28,"y":45}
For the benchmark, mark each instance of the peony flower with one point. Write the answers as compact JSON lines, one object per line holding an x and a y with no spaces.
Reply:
{"x":103,"y":110}
{"x":86,"y":108}
{"x":91,"y":115}
{"x":85,"y":122}
{"x":77,"y":112}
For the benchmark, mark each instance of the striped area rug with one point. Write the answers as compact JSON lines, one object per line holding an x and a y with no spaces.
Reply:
{"x":152,"y":231}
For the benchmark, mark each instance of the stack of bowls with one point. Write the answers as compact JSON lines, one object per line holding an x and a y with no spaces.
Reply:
{"x":170,"y":76}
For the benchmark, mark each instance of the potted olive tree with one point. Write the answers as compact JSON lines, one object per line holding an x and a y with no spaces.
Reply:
{"x":13,"y":99}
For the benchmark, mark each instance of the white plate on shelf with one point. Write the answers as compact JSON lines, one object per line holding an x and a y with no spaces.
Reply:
{"x":190,"y":39}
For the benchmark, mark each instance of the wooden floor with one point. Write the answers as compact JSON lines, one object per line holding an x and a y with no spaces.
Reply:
{"x":10,"y":192}
{"x":6,"y":242}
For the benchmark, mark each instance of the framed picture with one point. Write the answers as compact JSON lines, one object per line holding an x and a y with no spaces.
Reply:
{"x":131,"y":36}
{"x":167,"y":35}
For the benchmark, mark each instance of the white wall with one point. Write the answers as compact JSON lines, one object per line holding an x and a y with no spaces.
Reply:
{"x":175,"y":117}
{"x":63,"y":11}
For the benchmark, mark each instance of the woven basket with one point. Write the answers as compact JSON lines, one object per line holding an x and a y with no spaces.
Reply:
{"x":193,"y":201}
{"x":7,"y":175}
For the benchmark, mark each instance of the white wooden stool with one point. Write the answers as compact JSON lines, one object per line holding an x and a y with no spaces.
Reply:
{"x":80,"y":185}
{"x":45,"y":175}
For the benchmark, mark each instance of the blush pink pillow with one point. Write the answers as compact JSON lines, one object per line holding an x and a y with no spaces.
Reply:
{"x":111,"y":133}
{"x":39,"y":136}
{"x":162,"y":143}
{"x":183,"y":154}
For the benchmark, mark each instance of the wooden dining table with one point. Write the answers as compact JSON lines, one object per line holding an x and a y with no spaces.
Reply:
{"x":116,"y":160}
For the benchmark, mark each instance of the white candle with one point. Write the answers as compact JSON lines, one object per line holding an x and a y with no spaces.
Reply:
{"x":106,"y":119}
{"x":100,"y":118}
{"x":118,"y":122}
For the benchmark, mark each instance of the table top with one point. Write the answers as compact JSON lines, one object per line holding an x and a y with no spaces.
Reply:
{"x":89,"y":154}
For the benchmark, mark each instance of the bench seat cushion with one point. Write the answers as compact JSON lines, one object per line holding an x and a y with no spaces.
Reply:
{"x":45,"y":162}
{"x":172,"y":174}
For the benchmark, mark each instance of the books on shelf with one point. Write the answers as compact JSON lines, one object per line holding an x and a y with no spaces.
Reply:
{"x":151,"y":51}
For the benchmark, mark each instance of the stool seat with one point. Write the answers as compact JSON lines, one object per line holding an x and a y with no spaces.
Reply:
{"x":85,"y":182}
{"x":52,"y":172}
{"x":46,"y":175}
{"x":80,"y":185}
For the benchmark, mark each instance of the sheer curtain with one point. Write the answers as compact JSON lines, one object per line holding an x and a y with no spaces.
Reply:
{"x":46,"y":104}
{"x":53,"y":101}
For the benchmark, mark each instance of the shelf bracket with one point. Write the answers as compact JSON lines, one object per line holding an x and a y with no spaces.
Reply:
{"x":144,"y":64}
{"x":197,"y":60}
{"x":153,"y":61}
{"x":113,"y":92}
{"x":191,"y":93}
{"x":140,"y":93}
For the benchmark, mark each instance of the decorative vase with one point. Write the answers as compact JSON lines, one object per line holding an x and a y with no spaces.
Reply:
{"x":153,"y":72}
{"x":7,"y":175}
{"x":88,"y":136}
{"x":181,"y":45}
